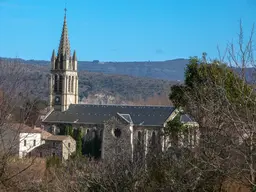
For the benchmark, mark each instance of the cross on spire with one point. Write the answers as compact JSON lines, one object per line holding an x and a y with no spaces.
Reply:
{"x":65,"y":8}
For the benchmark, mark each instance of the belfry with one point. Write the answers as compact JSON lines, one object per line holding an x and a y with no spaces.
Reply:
{"x":63,"y":75}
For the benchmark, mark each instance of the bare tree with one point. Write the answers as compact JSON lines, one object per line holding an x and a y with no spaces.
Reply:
{"x":14,"y":87}
{"x":222,"y":101}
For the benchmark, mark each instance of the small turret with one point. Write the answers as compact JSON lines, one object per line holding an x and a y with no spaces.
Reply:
{"x":53,"y":59}
{"x":74,"y":56}
{"x":74,"y":61}
{"x":53,"y":55}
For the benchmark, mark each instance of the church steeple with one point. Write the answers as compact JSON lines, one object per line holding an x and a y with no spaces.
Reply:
{"x":64,"y":46}
{"x":63,"y":78}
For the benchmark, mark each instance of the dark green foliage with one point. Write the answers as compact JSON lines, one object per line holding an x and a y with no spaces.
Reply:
{"x":92,"y":147}
{"x":174,"y":126}
{"x":97,"y":146}
{"x":200,"y":77}
{"x":76,"y":134}
{"x":69,"y":130}
{"x":78,"y":138}
{"x":176,"y":95}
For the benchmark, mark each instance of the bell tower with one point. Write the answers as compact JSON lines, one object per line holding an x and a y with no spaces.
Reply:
{"x":63,"y":75}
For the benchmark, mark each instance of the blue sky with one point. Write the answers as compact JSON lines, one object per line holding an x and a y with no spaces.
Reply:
{"x":122,"y":30}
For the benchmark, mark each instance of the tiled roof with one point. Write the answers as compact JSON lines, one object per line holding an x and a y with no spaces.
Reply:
{"x":57,"y":138}
{"x":44,"y":134}
{"x":21,"y":128}
{"x":97,"y":114}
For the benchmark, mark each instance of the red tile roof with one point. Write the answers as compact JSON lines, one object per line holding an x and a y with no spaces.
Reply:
{"x":57,"y":137}
{"x":22,"y":128}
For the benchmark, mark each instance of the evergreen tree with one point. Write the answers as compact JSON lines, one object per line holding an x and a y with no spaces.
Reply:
{"x":79,"y":142}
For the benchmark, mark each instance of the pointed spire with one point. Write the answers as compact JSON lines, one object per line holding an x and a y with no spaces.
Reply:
{"x":64,"y":47}
{"x":74,"y":56}
{"x":53,"y":55}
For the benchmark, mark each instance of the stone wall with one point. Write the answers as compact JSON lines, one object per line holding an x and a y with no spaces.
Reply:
{"x":117,"y":140}
{"x":146,"y":140}
{"x":48,"y":149}
{"x":68,"y":148}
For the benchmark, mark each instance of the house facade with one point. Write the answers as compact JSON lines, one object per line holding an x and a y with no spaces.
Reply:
{"x":22,"y":141}
{"x":56,"y":146}
{"x":107,"y":130}
{"x":19,"y":139}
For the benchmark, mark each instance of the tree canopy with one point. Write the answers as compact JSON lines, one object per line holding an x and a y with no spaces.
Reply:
{"x":201,"y":76}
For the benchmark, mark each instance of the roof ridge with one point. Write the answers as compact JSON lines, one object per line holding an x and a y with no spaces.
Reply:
{"x":89,"y":104}
{"x":122,"y":116}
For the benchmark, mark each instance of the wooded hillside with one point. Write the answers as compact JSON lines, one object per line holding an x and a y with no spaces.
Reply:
{"x":98,"y":87}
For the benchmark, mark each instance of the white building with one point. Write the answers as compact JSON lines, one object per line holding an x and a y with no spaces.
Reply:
{"x":18,"y":139}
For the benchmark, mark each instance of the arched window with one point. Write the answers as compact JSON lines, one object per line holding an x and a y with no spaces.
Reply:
{"x":73,"y":65}
{"x":69,"y":83}
{"x":61,"y":61}
{"x":153,"y":139}
{"x":55,"y":83}
{"x":139,"y":138}
{"x":72,"y":84}
{"x":60,"y":83}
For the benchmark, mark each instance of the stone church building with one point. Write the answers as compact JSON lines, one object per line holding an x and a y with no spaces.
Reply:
{"x":117,"y":128}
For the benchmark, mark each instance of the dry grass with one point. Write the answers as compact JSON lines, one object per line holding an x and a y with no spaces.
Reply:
{"x":23,"y":173}
{"x":233,"y":186}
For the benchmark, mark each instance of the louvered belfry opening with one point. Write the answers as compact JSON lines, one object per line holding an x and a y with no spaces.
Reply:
{"x":60,"y":83}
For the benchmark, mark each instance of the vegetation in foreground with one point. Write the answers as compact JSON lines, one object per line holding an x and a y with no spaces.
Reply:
{"x":222,"y":103}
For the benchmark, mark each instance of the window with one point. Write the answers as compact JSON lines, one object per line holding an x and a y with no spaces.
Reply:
{"x":72,"y":84}
{"x":139,"y":138}
{"x":54,"y":144}
{"x":41,"y":154}
{"x":117,"y":132}
{"x":68,"y":145}
{"x":34,"y":142}
{"x":69,"y":83}
{"x":55,"y":83}
{"x":53,"y":154}
{"x":25,"y":142}
{"x":60,"y":83}
{"x":153,"y":138}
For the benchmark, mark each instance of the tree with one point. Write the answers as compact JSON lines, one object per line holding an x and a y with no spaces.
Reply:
{"x":199,"y":75}
{"x":14,"y":88}
{"x":223,"y":102}
{"x":79,"y":142}
{"x":69,"y":131}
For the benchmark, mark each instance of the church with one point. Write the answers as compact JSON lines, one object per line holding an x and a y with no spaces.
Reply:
{"x":119,"y":129}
